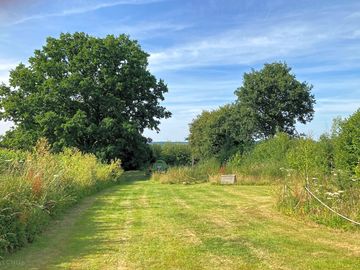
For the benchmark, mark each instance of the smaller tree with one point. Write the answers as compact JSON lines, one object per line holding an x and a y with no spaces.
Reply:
{"x":219,"y":133}
{"x":274,"y":100}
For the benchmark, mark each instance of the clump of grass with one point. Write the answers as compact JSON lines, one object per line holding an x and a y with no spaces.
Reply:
{"x":38,"y":185}
{"x":201,"y":172}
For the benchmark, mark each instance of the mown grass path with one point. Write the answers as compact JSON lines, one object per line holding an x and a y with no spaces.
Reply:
{"x":146,"y":225}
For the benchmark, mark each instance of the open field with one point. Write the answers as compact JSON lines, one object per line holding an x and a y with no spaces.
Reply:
{"x":146,"y":225}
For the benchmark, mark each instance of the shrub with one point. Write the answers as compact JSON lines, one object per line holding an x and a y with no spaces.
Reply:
{"x":265,"y":161}
{"x":308,"y":158}
{"x":39,"y":185}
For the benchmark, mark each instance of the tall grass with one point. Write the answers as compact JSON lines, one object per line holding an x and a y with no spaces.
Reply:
{"x":201,"y":172}
{"x":38,"y":185}
{"x":265,"y":163}
{"x":294,"y":199}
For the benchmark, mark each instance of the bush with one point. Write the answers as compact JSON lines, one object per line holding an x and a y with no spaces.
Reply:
{"x":265,"y":162}
{"x":38,"y":185}
{"x":308,"y":158}
{"x":337,"y":187}
{"x":347,"y":144}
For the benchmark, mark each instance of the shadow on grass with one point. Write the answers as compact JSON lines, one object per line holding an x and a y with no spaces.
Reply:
{"x":133,"y":176}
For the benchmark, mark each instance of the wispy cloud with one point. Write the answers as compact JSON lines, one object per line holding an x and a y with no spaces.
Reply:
{"x":149,"y":29}
{"x":84,"y":9}
{"x":261,"y":42}
{"x":337,"y":106}
{"x":6,"y":65}
{"x":4,"y":78}
{"x":233,"y":47}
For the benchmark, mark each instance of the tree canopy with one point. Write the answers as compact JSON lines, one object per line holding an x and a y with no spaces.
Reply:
{"x":275,"y":100}
{"x":219,"y":133}
{"x":92,"y":93}
{"x":271,"y":100}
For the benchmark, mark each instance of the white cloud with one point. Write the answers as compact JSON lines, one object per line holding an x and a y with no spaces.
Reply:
{"x":234,"y":47}
{"x":145,"y":30}
{"x":6,"y":65}
{"x":263,"y":41}
{"x":336,"y":106}
{"x":5,"y":126}
{"x":84,"y":9}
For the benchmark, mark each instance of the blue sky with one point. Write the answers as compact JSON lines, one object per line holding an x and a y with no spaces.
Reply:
{"x":201,"y":48}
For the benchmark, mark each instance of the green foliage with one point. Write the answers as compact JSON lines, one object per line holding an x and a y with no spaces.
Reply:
{"x":266,"y":160}
{"x":335,"y":183}
{"x":218,"y":134}
{"x":174,"y":154}
{"x":347,"y":144}
{"x":38,"y":185}
{"x":95,"y":94}
{"x":274,"y":100}
{"x":271,"y":100}
{"x":309,"y":158}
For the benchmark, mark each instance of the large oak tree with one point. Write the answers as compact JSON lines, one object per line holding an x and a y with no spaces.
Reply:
{"x":95,"y":94}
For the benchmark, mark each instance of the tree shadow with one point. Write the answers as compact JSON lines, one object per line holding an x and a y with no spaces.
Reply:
{"x":129,"y":177}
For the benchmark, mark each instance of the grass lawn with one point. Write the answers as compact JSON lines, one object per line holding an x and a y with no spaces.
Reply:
{"x":145,"y":225}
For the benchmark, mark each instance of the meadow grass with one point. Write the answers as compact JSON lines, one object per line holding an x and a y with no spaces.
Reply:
{"x":37,"y":186}
{"x":147,"y":225}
